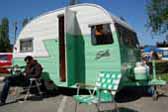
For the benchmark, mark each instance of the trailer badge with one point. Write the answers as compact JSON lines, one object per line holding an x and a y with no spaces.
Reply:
{"x":101,"y":54}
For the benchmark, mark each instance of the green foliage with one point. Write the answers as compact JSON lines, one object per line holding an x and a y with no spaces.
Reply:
{"x":25,"y":21}
{"x":163,"y":76}
{"x":73,"y":2}
{"x":4,"y":36}
{"x":157,"y":11}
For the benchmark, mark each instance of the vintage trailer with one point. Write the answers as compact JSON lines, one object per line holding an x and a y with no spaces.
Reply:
{"x":75,"y":43}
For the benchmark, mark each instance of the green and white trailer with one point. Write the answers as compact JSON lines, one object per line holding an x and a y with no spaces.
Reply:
{"x":66,"y":43}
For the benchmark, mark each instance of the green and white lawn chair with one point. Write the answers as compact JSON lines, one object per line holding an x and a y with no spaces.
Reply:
{"x":104,"y":91}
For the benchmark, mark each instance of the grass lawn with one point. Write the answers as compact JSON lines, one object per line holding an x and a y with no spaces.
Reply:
{"x":163,"y":76}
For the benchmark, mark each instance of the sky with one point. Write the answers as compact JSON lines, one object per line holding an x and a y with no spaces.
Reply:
{"x":133,"y":11}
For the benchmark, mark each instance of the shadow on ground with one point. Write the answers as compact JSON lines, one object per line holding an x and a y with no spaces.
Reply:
{"x":131,"y":94}
{"x":125,"y":95}
{"x":122,"y":109}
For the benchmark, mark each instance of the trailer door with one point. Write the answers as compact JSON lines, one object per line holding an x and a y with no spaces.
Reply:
{"x":71,"y":30}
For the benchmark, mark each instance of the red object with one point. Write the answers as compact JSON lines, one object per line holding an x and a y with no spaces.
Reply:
{"x":5,"y":62}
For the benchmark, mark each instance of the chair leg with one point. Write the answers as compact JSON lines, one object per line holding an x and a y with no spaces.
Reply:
{"x":76,"y":104}
{"x":28,"y":90}
{"x":97,"y":106}
{"x":38,"y":88}
{"x":115,"y":106}
{"x":17,"y":94}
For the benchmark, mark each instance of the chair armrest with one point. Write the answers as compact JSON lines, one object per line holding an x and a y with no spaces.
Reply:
{"x":85,"y":86}
{"x":102,"y":89}
{"x":109,"y":90}
{"x":82,"y":85}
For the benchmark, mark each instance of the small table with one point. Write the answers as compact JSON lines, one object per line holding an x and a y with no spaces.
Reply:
{"x":156,"y":82}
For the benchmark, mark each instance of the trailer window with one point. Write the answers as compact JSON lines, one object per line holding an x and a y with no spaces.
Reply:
{"x":126,"y":36}
{"x":101,"y":34}
{"x":26,"y":45}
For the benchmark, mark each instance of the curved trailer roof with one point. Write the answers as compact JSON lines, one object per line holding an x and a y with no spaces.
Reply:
{"x":37,"y":29}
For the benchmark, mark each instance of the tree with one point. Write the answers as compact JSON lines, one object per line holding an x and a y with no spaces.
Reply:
{"x":73,"y":2}
{"x":1,"y":40}
{"x":25,"y":21}
{"x":157,"y":11}
{"x":4,"y":36}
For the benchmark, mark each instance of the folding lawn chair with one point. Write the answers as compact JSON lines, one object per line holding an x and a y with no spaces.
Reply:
{"x":104,"y":91}
{"x":37,"y":84}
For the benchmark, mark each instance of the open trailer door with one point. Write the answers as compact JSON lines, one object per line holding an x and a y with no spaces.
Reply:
{"x":70,"y":41}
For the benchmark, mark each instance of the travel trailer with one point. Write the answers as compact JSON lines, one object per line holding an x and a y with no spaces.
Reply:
{"x":77,"y":42}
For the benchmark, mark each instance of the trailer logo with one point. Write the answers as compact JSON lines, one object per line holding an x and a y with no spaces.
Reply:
{"x":101,"y":54}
